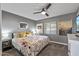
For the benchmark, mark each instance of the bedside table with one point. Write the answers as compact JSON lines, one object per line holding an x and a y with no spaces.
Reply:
{"x":6,"y":45}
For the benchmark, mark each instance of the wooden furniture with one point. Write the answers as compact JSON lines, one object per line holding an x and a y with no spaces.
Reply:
{"x":6,"y":45}
{"x":73,"y":45}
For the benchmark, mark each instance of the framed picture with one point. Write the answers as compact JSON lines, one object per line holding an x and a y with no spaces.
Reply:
{"x":65,"y":27}
{"x":39,"y":28}
{"x":23,"y":25}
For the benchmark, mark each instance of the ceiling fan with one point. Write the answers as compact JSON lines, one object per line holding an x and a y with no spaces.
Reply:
{"x":44,"y":10}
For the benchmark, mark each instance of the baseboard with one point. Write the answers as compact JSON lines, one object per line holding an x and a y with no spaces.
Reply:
{"x":58,"y":43}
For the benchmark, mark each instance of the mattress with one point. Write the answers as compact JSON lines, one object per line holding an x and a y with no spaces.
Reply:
{"x":37,"y":43}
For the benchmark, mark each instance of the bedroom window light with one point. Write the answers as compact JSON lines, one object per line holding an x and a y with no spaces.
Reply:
{"x":6,"y":34}
{"x":50,"y":28}
{"x":34,"y":31}
{"x":53,"y":28}
{"x":77,"y":22}
{"x":6,"y":31}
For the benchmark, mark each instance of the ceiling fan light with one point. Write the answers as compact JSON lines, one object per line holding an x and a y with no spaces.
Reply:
{"x":43,"y":12}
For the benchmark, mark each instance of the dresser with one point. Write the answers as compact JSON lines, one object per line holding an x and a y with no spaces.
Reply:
{"x":73,"y":45}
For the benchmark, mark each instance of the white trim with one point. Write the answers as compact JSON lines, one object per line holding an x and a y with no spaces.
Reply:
{"x":58,"y":43}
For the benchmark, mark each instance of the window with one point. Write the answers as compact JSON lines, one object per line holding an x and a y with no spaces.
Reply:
{"x":47,"y":28}
{"x":50,"y":28}
{"x":53,"y":28}
{"x":23,"y":25}
{"x":77,"y":22}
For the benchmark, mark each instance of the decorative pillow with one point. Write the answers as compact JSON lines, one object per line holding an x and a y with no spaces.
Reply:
{"x":22,"y":34}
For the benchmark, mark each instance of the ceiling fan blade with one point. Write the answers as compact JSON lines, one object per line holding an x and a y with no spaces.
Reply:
{"x":48,"y":6}
{"x":46,"y":14}
{"x":36,"y":12}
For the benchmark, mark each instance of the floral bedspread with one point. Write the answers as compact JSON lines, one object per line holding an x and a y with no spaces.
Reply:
{"x":32,"y":45}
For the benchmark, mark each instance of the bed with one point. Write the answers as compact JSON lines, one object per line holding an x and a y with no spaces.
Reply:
{"x":30,"y":45}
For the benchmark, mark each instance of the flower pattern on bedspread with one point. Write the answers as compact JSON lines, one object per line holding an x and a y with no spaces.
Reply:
{"x":32,"y":44}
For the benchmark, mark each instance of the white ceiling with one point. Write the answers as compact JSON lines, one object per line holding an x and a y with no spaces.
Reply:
{"x":27,"y":9}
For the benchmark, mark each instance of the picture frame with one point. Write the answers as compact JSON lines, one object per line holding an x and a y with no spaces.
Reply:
{"x":39,"y":28}
{"x":23,"y":25}
{"x":65,"y":27}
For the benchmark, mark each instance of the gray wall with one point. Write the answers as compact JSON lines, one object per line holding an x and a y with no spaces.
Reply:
{"x":10,"y":22}
{"x":57,"y":38}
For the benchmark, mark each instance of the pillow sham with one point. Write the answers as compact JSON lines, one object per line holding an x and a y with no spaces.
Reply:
{"x":22,"y":34}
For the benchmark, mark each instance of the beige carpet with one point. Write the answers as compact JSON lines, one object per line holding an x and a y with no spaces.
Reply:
{"x":51,"y":50}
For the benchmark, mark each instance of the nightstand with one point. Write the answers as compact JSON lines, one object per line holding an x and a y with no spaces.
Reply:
{"x":6,"y":45}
